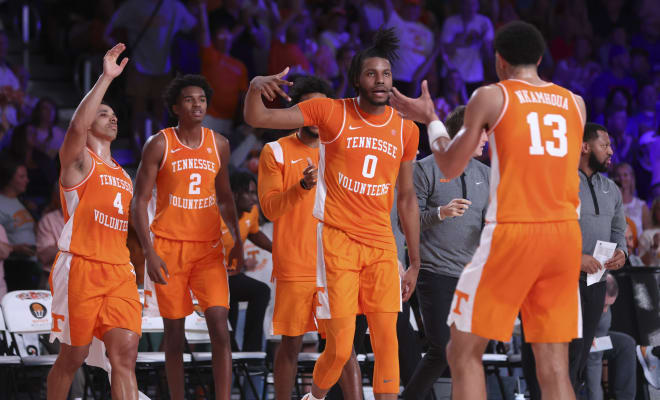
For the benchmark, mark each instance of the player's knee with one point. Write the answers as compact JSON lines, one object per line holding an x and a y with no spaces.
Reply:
{"x":290,"y":346}
{"x":70,"y":361}
{"x":123,"y":356}
{"x":549,"y":371}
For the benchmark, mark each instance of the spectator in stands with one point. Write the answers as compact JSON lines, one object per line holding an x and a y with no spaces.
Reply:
{"x":648,"y":38}
{"x":621,"y":366}
{"x":42,"y":131}
{"x":336,"y":35}
{"x":5,"y":250}
{"x":11,"y":95}
{"x":622,"y":143}
{"x":639,"y":63}
{"x":49,"y":229}
{"x":649,"y":242}
{"x":454,"y":94}
{"x":149,"y":40}
{"x":647,"y":117}
{"x":21,"y":269}
{"x":468,"y":42}
{"x":41,"y":169}
{"x":416,"y":43}
{"x":452,"y":214}
{"x":601,"y":218}
{"x":226,"y":75}
{"x":634,"y":207}
{"x":340,"y":82}
{"x":616,"y":75}
{"x":286,"y":48}
{"x":632,"y":242}
{"x":578,"y":71}
{"x":241,"y":286}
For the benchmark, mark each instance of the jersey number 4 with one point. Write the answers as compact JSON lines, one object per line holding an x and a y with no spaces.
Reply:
{"x":552,"y":147}
{"x":117,"y":204}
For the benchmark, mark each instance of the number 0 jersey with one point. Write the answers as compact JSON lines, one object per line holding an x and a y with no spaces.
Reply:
{"x":359,"y":160}
{"x":186,"y":205}
{"x":535,"y":151}
{"x":96,"y":214}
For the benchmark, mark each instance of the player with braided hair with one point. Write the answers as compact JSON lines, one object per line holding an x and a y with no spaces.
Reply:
{"x":365,"y":149}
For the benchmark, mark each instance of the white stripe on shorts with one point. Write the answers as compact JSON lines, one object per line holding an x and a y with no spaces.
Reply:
{"x":469,"y":282}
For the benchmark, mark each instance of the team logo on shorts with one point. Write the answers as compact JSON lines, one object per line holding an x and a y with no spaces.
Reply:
{"x":38,"y":310}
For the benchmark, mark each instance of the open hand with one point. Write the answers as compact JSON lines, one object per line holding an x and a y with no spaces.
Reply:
{"x":110,"y":66}
{"x":420,"y":109}
{"x":269,"y":86}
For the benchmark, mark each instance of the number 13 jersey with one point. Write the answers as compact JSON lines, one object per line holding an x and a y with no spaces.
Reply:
{"x":359,"y":160}
{"x":96,"y":214}
{"x":535,"y":151}
{"x":186,"y":205}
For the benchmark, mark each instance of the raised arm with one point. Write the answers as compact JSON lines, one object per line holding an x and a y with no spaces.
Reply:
{"x":409,"y":217}
{"x":258,"y":116}
{"x":152,"y":156}
{"x":226,"y":203}
{"x":73,"y":158}
{"x":203,"y":34}
{"x":452,"y":156}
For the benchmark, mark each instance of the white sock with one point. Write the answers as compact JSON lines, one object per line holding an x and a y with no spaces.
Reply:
{"x":310,"y":396}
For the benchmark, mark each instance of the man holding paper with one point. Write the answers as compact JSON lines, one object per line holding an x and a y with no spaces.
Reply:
{"x":603,"y":226}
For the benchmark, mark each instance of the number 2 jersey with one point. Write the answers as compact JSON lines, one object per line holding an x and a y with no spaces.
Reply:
{"x":535,"y":151}
{"x":359,"y":160}
{"x":186,"y":205}
{"x":96,"y":214}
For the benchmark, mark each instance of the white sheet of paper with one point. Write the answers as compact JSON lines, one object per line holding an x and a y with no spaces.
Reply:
{"x":603,"y":252}
{"x":601,"y":344}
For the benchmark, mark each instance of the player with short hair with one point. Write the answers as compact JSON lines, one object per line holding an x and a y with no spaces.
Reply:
{"x":528,"y":259}
{"x":188,"y":166}
{"x":365,"y":149}
{"x":92,"y":280}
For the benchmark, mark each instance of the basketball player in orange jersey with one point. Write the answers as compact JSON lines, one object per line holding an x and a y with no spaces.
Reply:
{"x":92,"y":279}
{"x":528,"y":259}
{"x":365,"y":149}
{"x":188,"y":166}
{"x":287,"y":186}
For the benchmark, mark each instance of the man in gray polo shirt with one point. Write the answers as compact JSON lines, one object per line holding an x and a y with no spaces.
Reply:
{"x":601,"y":218}
{"x":452,"y":213}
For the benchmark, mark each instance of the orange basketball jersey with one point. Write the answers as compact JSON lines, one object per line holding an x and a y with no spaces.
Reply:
{"x":248,"y":223}
{"x":535,"y":150}
{"x":96,"y":214}
{"x":288,"y":205}
{"x":186,"y":205}
{"x":359,"y":160}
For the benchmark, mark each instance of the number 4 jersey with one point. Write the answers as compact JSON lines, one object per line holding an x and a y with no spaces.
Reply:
{"x":359,"y":160}
{"x":535,"y":150}
{"x":186,"y":206}
{"x":96,"y":214}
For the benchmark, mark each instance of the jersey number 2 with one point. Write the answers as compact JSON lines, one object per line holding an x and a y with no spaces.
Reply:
{"x":195,"y":180}
{"x":553,"y":120}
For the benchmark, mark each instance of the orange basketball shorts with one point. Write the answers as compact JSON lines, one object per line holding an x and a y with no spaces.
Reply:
{"x":294,"y":308}
{"x":196,"y":266}
{"x":90,"y":298}
{"x":354,"y":278}
{"x":528,"y":267}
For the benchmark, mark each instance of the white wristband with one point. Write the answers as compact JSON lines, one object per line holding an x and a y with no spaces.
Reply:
{"x":435,"y":130}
